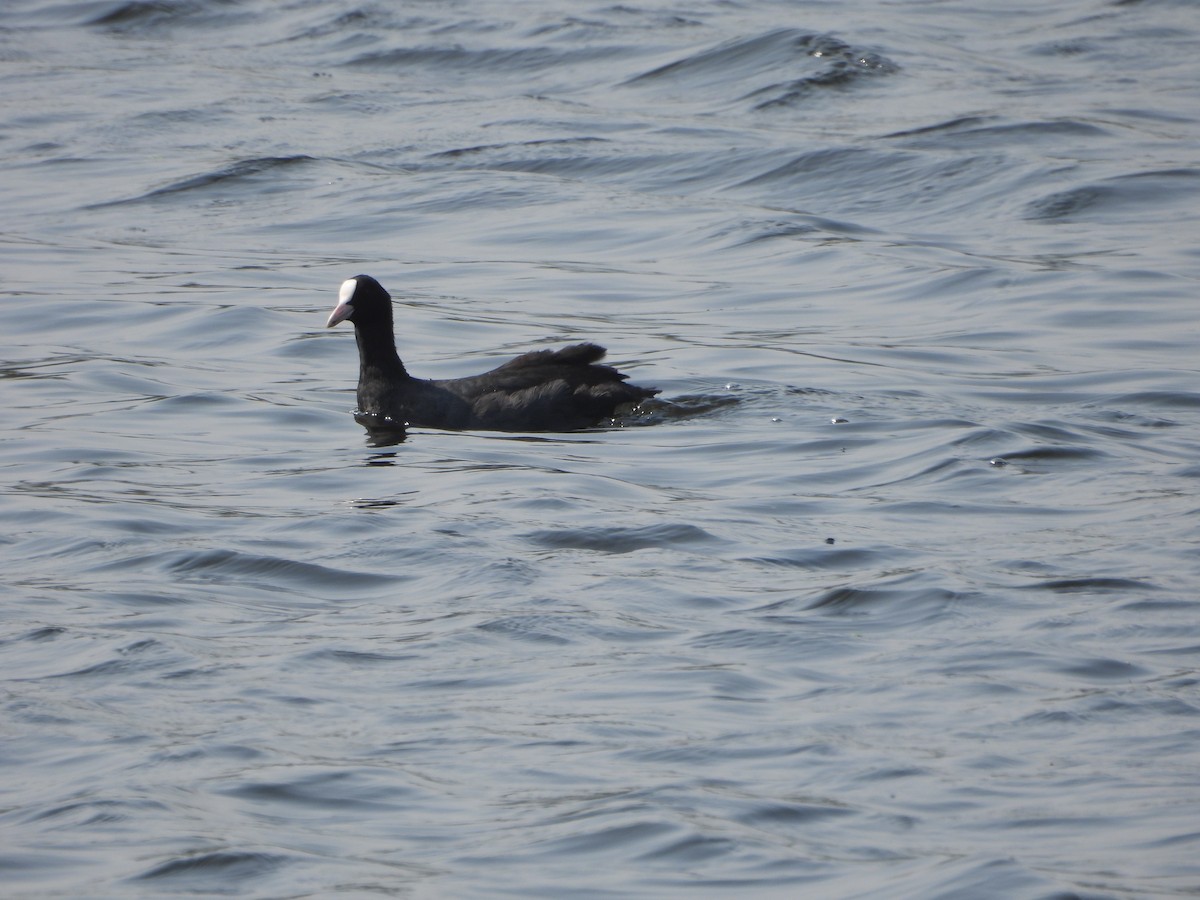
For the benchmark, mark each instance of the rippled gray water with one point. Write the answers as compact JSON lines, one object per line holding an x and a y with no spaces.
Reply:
{"x":894,"y":596}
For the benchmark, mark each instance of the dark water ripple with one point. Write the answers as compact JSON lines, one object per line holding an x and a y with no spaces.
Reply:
{"x":891,"y":593}
{"x":1122,"y":197}
{"x":811,"y":61}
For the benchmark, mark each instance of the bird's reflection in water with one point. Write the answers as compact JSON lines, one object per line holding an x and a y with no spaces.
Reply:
{"x":382,"y":436}
{"x":368,"y":503}
{"x":380,"y":459}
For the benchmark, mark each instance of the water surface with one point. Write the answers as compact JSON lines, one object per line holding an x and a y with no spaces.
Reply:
{"x":895,"y":596}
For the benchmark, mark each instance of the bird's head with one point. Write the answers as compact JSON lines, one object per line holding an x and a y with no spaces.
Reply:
{"x":361,"y":299}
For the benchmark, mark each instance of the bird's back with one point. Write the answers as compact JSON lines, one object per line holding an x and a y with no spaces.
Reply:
{"x":547,"y":390}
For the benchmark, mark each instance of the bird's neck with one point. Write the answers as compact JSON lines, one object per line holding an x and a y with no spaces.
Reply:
{"x":377,"y":354}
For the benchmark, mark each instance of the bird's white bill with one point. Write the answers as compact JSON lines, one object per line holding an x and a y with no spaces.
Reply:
{"x":344,"y":309}
{"x":340,"y":312}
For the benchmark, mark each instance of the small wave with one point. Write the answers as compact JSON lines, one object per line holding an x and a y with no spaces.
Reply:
{"x":46,"y":633}
{"x":220,"y":565}
{"x":147,"y":15}
{"x":1167,"y":399}
{"x":586,"y":157}
{"x":684,"y":406}
{"x":562,"y":629}
{"x":518,"y":146}
{"x":610,"y":839}
{"x":865,"y":601}
{"x":228,"y":866}
{"x":354,"y":658}
{"x":621,"y":539}
{"x":325,"y":790}
{"x":99,"y":812}
{"x":825,"y":557}
{"x":992,"y":131}
{"x":532,"y":628}
{"x":495,"y":61}
{"x":770,"y":638}
{"x":1119,"y":197}
{"x":1101,"y":669}
{"x":88,"y":661}
{"x":1093,"y":585}
{"x":950,"y":125}
{"x":811,"y":62}
{"x":246,"y":170}
{"x":692,"y":849}
{"x":866,"y":178}
{"x":781,"y":813}
{"x":1051,"y":454}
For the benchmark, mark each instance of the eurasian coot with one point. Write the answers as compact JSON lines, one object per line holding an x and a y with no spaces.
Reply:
{"x":546,"y":390}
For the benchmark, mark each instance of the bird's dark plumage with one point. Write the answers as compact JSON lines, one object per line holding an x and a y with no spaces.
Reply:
{"x":546,"y":390}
